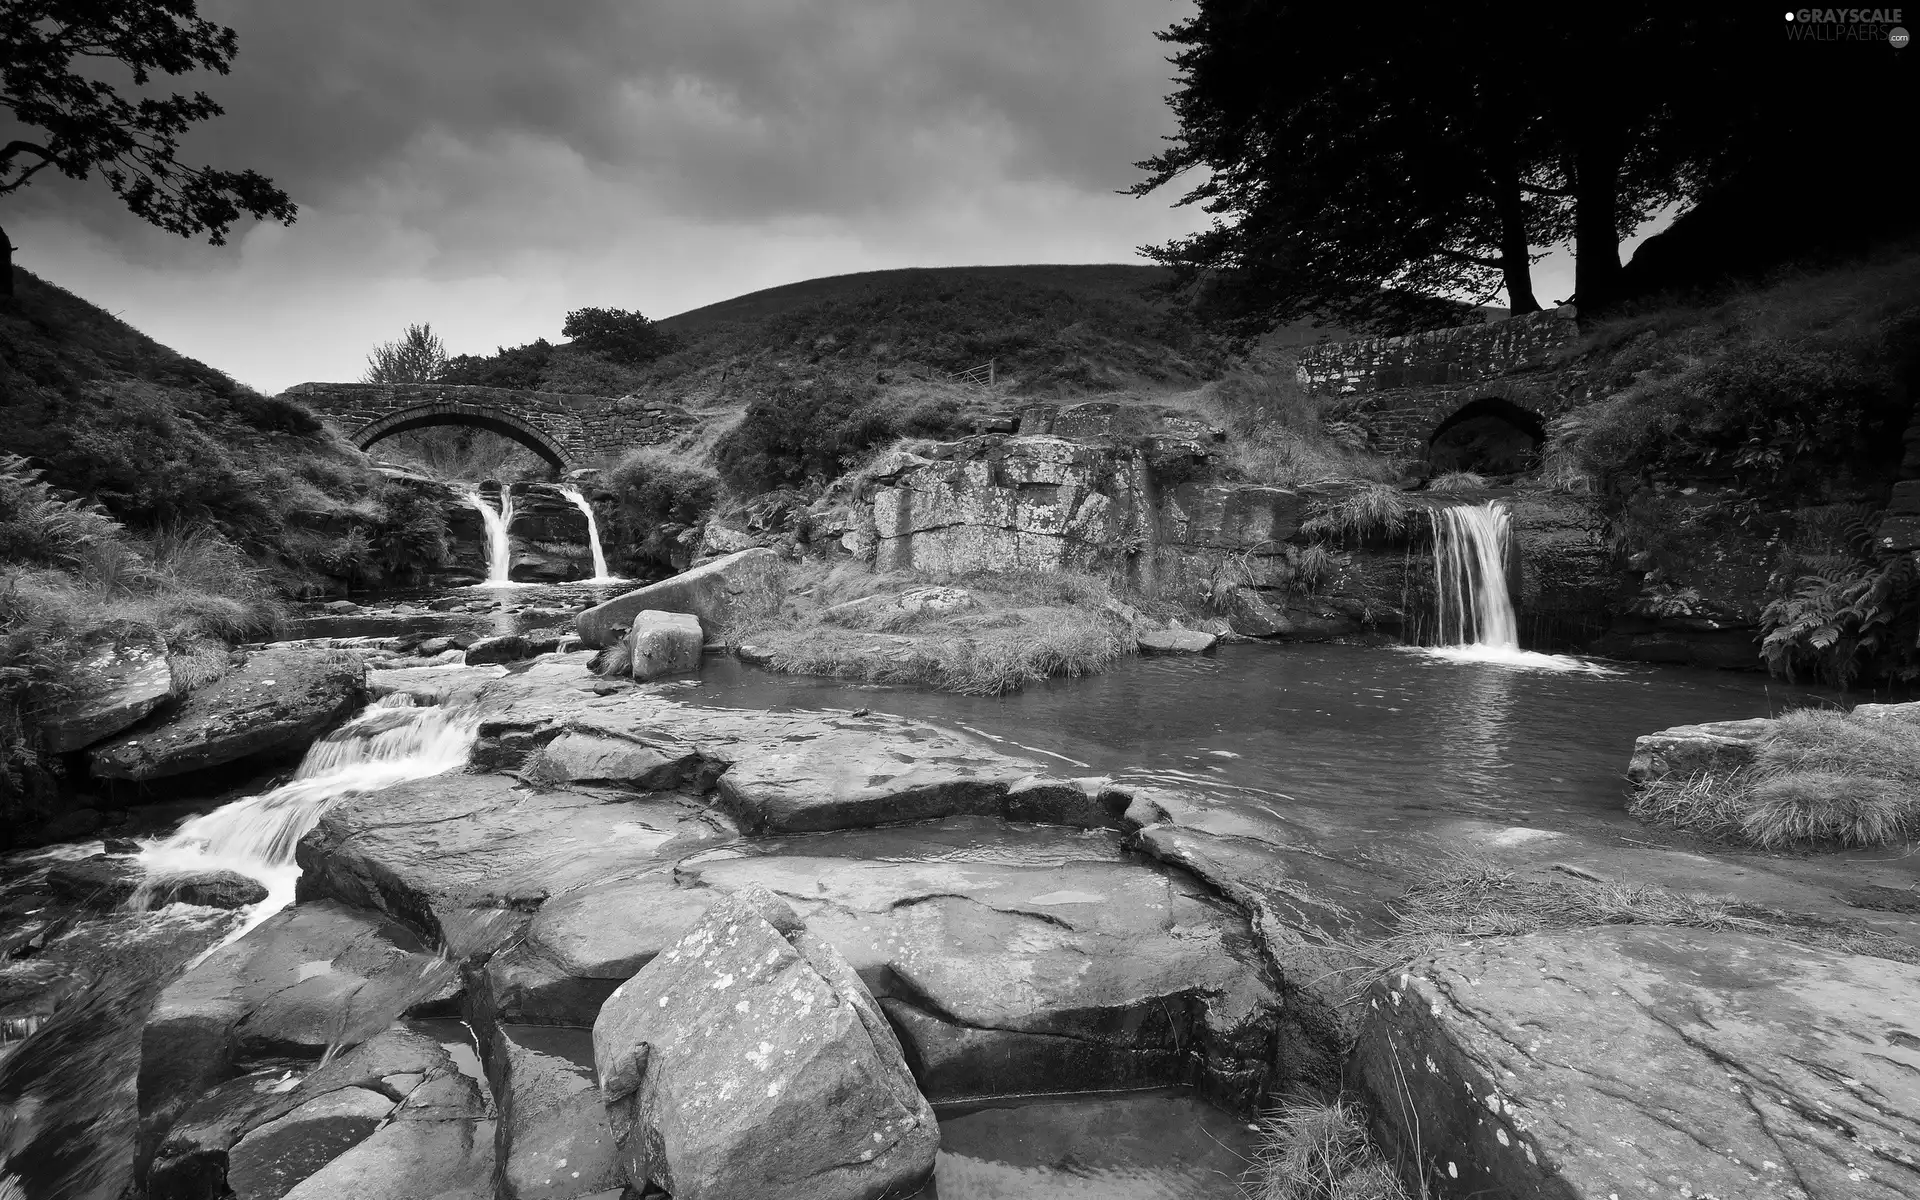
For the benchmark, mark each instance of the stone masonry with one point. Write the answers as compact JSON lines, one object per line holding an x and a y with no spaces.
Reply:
{"x":565,"y":429}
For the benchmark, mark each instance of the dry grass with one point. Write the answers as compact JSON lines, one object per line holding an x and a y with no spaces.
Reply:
{"x":1457,"y":481}
{"x":1820,"y":779}
{"x":1026,"y":627}
{"x":1376,"y":508}
{"x":1312,"y":1151}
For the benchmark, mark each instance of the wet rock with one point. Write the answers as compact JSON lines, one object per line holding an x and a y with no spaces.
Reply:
{"x":308,"y":977}
{"x":193,"y":1159}
{"x":664,"y":643}
{"x":440,"y":685}
{"x":110,"y":881}
{"x":1263,"y":612}
{"x":709,"y":591}
{"x":121,"y":846}
{"x":209,"y":889}
{"x":749,"y":1060}
{"x":1175,"y":641}
{"x":99,"y":882}
{"x":553,"y":1141}
{"x":592,"y":754}
{"x":32,"y":990}
{"x":1645,"y":1060}
{"x":435,"y":645}
{"x":509,"y":648}
{"x":340,"y":607}
{"x":119,"y":680}
{"x":1131,"y":975}
{"x":269,"y":1161}
{"x":278,"y":702}
{"x":1685,"y":750}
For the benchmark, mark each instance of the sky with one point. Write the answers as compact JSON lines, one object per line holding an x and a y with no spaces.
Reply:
{"x":487,"y":165}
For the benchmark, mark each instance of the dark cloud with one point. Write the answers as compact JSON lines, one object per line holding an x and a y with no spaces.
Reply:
{"x":682,"y":151}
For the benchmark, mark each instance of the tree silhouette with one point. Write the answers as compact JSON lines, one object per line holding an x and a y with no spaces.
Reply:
{"x":418,"y":357}
{"x":78,"y":124}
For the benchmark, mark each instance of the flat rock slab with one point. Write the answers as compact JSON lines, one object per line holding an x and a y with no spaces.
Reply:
{"x":1175,"y":641}
{"x":120,"y":678}
{"x":1686,"y":750}
{"x":280,"y":701}
{"x":710,"y":591}
{"x":1643,"y":1061}
{"x":309,"y":977}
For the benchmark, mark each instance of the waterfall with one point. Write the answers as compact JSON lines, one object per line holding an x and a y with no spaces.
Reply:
{"x":1470,"y":577}
{"x":385,"y":744}
{"x":600,"y":573}
{"x":1474,"y":610}
{"x":499,"y":546}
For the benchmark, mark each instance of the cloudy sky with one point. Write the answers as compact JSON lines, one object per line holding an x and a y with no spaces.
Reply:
{"x":486,"y":165}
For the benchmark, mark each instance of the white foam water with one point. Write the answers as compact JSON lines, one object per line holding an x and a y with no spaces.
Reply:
{"x":499,"y":545}
{"x":1475,"y":611}
{"x":600,"y":572}
{"x":387,"y":743}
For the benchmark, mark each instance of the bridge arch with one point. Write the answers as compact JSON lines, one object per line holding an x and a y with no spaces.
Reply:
{"x":1489,"y":436}
{"x":481,"y":416}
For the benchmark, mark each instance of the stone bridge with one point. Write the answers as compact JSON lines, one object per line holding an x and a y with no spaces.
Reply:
{"x":566,"y":430}
{"x":1470,"y":397}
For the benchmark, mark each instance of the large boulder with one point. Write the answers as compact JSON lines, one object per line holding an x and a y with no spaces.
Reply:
{"x":1686,"y":750}
{"x":1175,"y":641}
{"x":120,"y":679}
{"x":278,"y":702}
{"x":1648,"y":1060}
{"x":711,"y":591}
{"x":749,"y":1060}
{"x":664,"y":643}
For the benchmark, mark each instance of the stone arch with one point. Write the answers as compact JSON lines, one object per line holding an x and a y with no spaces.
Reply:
{"x":481,"y":416}
{"x":1489,"y":436}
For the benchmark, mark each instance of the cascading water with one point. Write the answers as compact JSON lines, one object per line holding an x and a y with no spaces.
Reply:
{"x":499,"y":548}
{"x":600,"y":572}
{"x":1474,"y":610}
{"x":385,"y":744}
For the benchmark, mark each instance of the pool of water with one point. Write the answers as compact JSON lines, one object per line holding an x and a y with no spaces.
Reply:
{"x":1369,"y":730}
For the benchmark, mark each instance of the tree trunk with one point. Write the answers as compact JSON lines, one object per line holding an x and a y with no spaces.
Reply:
{"x":1597,"y":156}
{"x":1514,"y":263}
{"x":6,"y":267}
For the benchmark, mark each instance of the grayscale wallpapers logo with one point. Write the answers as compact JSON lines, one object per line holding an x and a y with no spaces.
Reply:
{"x":1847,"y":25}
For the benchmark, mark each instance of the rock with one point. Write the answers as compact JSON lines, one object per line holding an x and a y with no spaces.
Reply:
{"x":891,"y":611}
{"x":433,"y":645}
{"x":278,"y":702}
{"x":209,"y":889}
{"x":119,"y":679}
{"x":1909,"y":711}
{"x":1263,"y":612}
{"x":269,"y":1161}
{"x":1175,"y":641}
{"x":99,"y":882}
{"x":341,"y":607}
{"x":1687,"y":750}
{"x":553,"y":1140}
{"x":664,"y":643}
{"x":428,"y":686}
{"x":717,"y":541}
{"x":120,"y":846}
{"x":711,"y":591}
{"x":509,"y":648}
{"x":309,"y":977}
{"x":590,"y":754}
{"x":749,"y":1060}
{"x":1648,"y":1060}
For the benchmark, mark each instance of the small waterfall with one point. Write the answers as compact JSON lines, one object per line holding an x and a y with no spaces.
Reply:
{"x":600,"y":572}
{"x":387,"y":743}
{"x":1470,"y":577}
{"x":499,"y":547}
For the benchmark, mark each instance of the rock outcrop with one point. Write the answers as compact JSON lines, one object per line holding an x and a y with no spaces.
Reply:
{"x":749,"y":1025}
{"x":709,"y":591}
{"x":1685,"y":750}
{"x":278,"y":702}
{"x":121,"y":678}
{"x":1638,"y":1061}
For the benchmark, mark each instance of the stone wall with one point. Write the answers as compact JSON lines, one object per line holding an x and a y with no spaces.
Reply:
{"x":570,"y":430}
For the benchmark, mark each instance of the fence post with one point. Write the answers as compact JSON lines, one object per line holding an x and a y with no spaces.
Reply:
{"x":990,"y":363}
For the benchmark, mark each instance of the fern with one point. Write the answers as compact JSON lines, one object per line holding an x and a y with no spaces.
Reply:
{"x":1854,"y":615}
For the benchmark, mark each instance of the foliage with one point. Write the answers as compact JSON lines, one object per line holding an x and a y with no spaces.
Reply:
{"x":464,"y":453}
{"x":85,"y":126}
{"x":418,"y":356}
{"x":1277,"y":434}
{"x":811,"y":432}
{"x":658,"y":497}
{"x":1851,"y":614}
{"x":1819,"y":778}
{"x":1316,"y":1151}
{"x":520,"y":367}
{"x":1457,"y":481}
{"x":620,"y":336}
{"x":38,"y":526}
{"x":1372,"y":509}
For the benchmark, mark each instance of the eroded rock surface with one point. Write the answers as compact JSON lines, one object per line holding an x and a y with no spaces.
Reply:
{"x":1640,"y":1061}
{"x":709,"y":591}
{"x":280,"y":701}
{"x":751,"y":1024}
{"x":120,"y":679}
{"x":553,"y":1139}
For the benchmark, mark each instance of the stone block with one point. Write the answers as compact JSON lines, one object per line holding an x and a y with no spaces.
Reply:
{"x":665,"y":643}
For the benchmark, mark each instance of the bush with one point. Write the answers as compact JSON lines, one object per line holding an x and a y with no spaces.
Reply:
{"x":417,"y":357}
{"x":521,"y":367}
{"x":658,"y":496}
{"x":622,"y":337}
{"x":36,"y":526}
{"x":1851,"y":614}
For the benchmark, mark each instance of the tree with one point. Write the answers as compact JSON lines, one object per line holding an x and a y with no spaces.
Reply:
{"x":1356,"y":167}
{"x":79,"y":124}
{"x":418,"y":357}
{"x":618,"y":335}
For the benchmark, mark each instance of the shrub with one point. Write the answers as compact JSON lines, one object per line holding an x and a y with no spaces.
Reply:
{"x":419,"y":356}
{"x":1849,"y":615}
{"x":519,"y":367}
{"x":621,"y":336}
{"x":36,"y":526}
{"x":802,"y":432}
{"x":658,"y":496}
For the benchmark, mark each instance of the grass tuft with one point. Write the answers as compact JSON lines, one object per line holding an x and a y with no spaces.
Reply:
{"x":1314,"y":1151}
{"x":1376,"y":508}
{"x":1457,"y":481}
